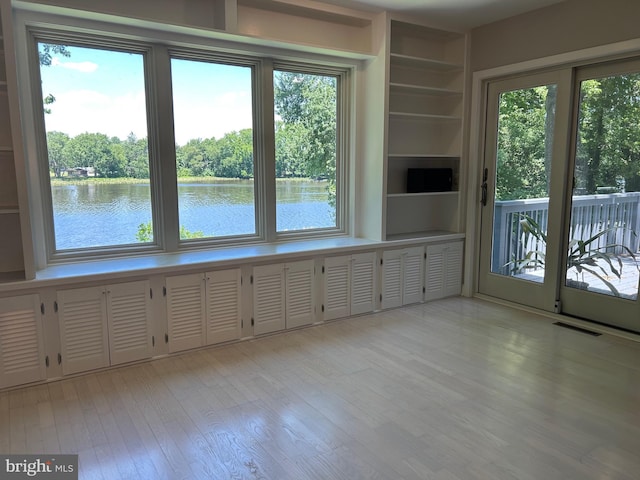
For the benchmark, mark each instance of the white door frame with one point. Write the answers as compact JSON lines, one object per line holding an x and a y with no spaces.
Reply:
{"x":477,"y":110}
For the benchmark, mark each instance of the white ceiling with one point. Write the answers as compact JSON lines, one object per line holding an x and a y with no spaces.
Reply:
{"x":457,"y":14}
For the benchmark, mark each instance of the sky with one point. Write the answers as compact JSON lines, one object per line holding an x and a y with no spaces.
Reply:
{"x":100,"y":91}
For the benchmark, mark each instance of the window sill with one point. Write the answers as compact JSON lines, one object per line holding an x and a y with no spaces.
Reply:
{"x":203,"y":260}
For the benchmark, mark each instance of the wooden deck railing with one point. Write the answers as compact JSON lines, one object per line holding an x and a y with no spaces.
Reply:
{"x":590,"y":214}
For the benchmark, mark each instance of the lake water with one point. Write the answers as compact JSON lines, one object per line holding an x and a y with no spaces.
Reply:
{"x":93,"y":215}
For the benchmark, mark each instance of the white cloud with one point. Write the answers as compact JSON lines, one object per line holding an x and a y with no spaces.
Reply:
{"x":80,"y":111}
{"x":212,"y":116}
{"x":84,"y":67}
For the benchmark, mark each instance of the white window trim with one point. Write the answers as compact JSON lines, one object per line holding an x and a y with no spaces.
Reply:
{"x":164,"y":211}
{"x":342,"y":148}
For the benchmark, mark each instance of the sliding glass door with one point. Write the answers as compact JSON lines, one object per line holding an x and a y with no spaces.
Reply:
{"x":601,"y":277}
{"x":560,"y":228}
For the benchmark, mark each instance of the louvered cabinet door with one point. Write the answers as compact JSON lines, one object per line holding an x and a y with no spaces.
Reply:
{"x":363,"y":283}
{"x":443,"y":277}
{"x":21,"y":342}
{"x":300,"y":298}
{"x":434,"y":272}
{"x":391,"y":279}
{"x":83,"y":329}
{"x":453,"y":269}
{"x":129,"y":316}
{"x":412,"y":275}
{"x":223,"y":306}
{"x":186,"y":312}
{"x":337,"y":287}
{"x":268,"y":299}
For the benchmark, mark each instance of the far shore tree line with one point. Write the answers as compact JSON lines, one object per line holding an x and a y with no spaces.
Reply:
{"x":228,"y":157}
{"x":305,"y":139}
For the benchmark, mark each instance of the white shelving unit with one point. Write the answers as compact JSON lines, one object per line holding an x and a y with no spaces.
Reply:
{"x":16,"y":245}
{"x":11,"y":259}
{"x":425,"y":92}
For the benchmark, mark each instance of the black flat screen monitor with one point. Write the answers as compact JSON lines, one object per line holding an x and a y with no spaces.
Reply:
{"x":421,"y":180}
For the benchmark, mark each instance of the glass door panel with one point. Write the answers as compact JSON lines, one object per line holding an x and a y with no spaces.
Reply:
{"x":601,"y":279}
{"x":603,"y":240}
{"x":523,"y":166}
{"x":522,"y":212}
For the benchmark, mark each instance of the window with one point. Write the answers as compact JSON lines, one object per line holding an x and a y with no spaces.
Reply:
{"x":305,"y":131}
{"x":96,"y":137}
{"x":213,"y":124}
{"x":157,"y":149}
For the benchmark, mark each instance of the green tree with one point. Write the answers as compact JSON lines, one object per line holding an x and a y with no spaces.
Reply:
{"x":608,"y":143}
{"x":58,"y":162}
{"x":47,"y":50}
{"x":608,"y":146}
{"x":145,"y":233}
{"x":310,"y":103}
{"x":291,"y":149}
{"x":236,"y":154}
{"x":192,"y":159}
{"x":522,"y":150}
{"x":98,"y":151}
{"x":136,"y":157}
{"x":45,"y":56}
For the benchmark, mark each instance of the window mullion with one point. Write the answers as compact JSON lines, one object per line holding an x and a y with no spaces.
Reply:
{"x":266,"y":173}
{"x":162,"y":151}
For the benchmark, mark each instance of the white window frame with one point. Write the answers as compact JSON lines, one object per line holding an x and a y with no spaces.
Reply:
{"x":159,"y":46}
{"x":259,"y":151}
{"x":96,"y":42}
{"x":342,"y":77}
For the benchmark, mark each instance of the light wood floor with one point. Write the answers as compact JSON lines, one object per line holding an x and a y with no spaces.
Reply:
{"x":450,"y":390}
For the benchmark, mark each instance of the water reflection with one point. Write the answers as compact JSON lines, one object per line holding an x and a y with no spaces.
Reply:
{"x":95,"y":214}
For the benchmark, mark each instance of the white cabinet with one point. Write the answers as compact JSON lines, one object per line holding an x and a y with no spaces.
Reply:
{"x":22,"y":358}
{"x":443,"y":276}
{"x":224,"y":315}
{"x":268,"y":299}
{"x":425,"y":92}
{"x":349,"y":285}
{"x":186,"y":311}
{"x":129,"y":322}
{"x":82,"y":314}
{"x":337,"y":282}
{"x":203,"y":309}
{"x":105,"y":325}
{"x":402,"y":276}
{"x":283,"y":296}
{"x":300,"y":293}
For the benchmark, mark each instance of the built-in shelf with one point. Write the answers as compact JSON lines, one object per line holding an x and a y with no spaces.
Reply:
{"x":306,"y":25}
{"x":12,"y":265}
{"x":424,"y":89}
{"x":422,"y":194}
{"x":425,"y":155}
{"x":429,"y":63}
{"x":426,"y":84}
{"x":425,"y":116}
